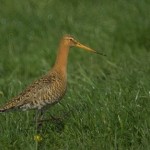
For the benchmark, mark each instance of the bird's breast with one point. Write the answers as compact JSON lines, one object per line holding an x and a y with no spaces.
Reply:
{"x":56,"y":90}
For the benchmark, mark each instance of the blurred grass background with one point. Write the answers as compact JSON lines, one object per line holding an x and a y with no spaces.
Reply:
{"x":108,"y":98}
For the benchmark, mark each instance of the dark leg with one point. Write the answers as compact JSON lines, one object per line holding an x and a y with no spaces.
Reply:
{"x":54,"y":119}
{"x":38,"y":117}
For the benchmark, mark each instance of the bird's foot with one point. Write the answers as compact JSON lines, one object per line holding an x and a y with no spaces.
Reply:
{"x":52,"y":118}
{"x":57,"y":120}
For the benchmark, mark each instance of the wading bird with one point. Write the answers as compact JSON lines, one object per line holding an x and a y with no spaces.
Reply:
{"x":50,"y":88}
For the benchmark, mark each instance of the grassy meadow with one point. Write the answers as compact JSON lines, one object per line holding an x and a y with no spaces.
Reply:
{"x":108,"y":98}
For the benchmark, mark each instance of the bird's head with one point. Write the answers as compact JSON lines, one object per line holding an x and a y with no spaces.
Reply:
{"x":71,"y":42}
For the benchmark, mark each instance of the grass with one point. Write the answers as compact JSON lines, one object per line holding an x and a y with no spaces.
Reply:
{"x":108,"y":99}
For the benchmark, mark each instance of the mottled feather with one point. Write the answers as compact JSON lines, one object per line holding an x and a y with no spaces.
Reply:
{"x":47,"y":90}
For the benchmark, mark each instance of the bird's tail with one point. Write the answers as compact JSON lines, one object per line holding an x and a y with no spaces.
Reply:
{"x":9,"y":105}
{"x":2,"y":110}
{"x":5,"y":107}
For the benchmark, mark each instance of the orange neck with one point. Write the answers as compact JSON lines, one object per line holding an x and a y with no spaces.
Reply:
{"x":62,"y":57}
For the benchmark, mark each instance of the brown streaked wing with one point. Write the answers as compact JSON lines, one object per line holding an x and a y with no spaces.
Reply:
{"x":27,"y":94}
{"x":35,"y":90}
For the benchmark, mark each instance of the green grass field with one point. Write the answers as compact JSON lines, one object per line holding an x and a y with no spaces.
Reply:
{"x":108,"y":98}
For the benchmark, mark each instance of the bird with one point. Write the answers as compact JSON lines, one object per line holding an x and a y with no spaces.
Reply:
{"x":51,"y":87}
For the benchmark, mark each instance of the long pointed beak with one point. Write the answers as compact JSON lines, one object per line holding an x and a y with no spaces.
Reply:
{"x":88,"y":49}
